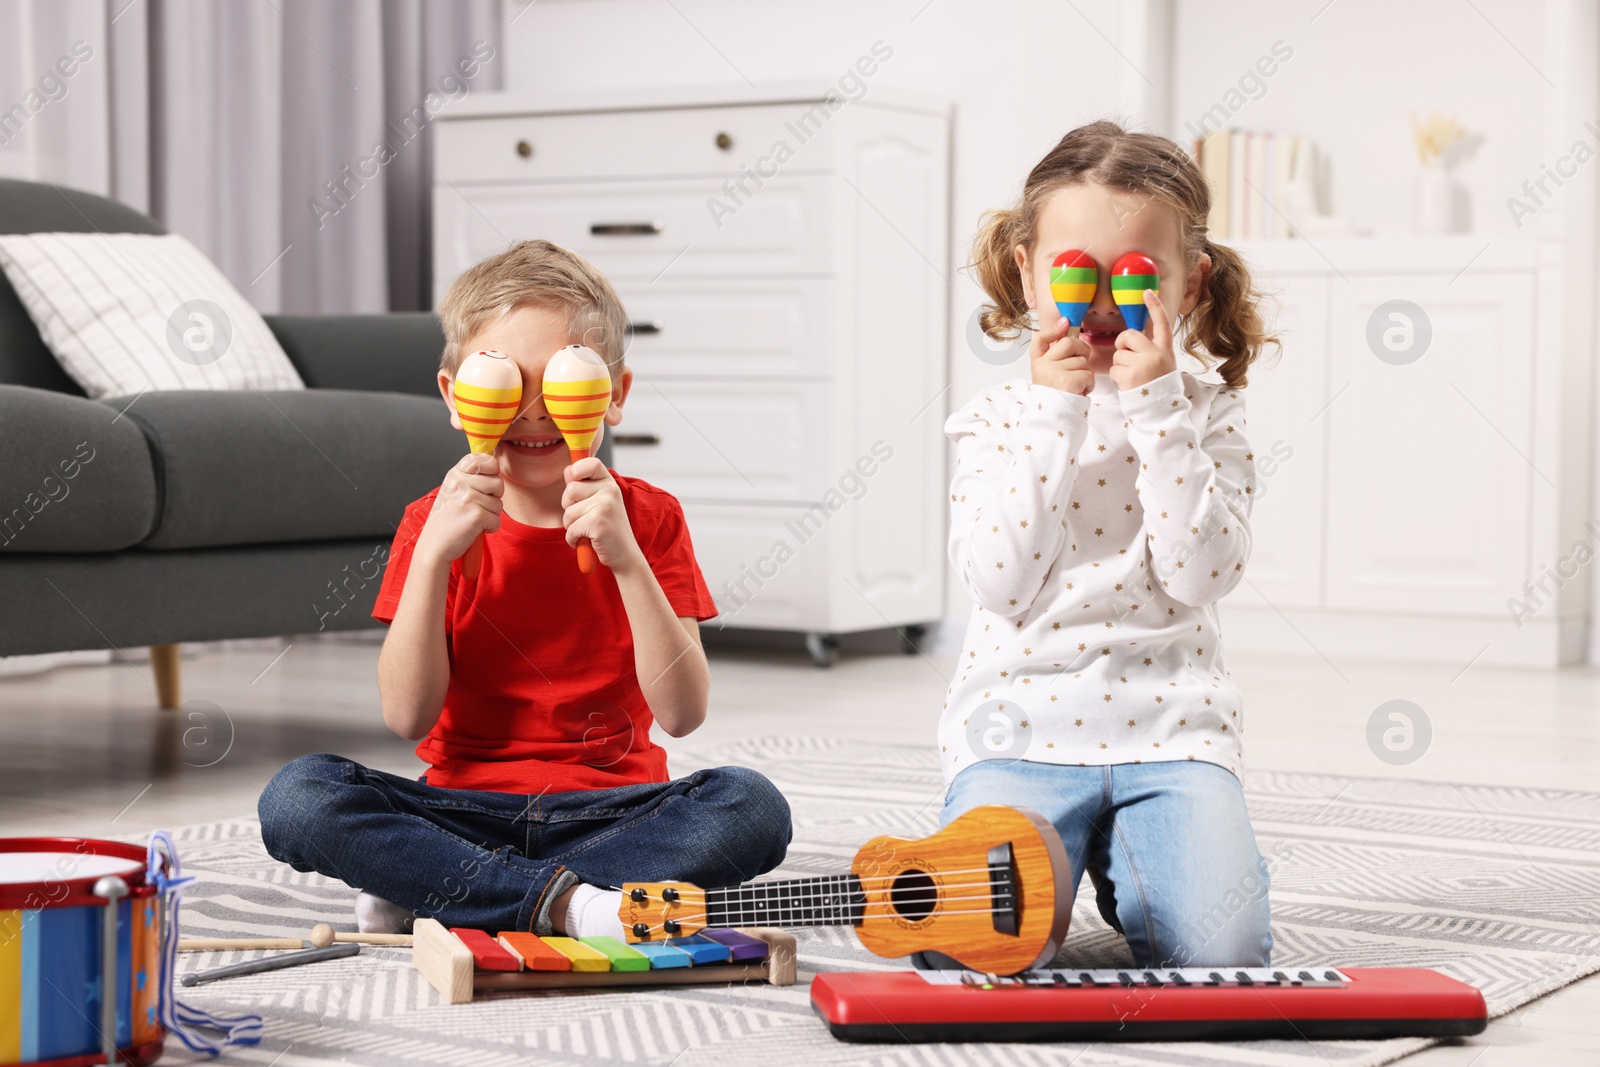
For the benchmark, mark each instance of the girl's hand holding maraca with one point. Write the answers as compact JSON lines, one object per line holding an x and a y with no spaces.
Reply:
{"x":468,"y":504}
{"x":1138,"y":359}
{"x":1059,"y":361}
{"x":592,"y":508}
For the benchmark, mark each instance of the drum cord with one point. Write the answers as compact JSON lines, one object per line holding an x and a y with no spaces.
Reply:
{"x":178,"y":1017}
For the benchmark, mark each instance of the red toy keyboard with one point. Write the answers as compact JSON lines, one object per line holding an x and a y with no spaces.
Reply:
{"x":1165,"y":1005}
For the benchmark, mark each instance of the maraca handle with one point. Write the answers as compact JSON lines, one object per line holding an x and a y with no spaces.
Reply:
{"x":472,"y":562}
{"x":587,"y":560}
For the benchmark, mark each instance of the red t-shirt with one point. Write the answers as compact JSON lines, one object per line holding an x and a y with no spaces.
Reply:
{"x":543,"y":696}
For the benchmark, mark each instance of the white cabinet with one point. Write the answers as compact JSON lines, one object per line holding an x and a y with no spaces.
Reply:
{"x":784,"y":264}
{"x":1428,"y":497}
{"x":1416,"y":497}
{"x":1286,"y":407}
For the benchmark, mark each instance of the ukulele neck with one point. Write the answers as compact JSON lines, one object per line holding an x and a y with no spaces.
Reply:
{"x":833,"y":900}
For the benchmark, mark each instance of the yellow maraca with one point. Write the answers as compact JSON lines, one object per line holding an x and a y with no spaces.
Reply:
{"x":577,"y":391}
{"x":487,"y":391}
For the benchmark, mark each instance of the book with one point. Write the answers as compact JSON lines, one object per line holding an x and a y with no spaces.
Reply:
{"x":1214,"y":154}
{"x":1236,"y":186}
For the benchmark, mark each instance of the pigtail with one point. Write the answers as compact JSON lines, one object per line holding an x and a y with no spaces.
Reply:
{"x":1225,"y":322}
{"x":994,"y":257}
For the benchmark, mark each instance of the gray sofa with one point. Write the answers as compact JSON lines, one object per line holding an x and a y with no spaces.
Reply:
{"x":195,"y":516}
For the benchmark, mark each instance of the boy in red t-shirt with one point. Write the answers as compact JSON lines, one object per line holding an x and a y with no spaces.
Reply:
{"x":532,"y":688}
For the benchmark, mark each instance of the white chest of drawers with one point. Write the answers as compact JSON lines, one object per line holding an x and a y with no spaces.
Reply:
{"x":784,"y":260}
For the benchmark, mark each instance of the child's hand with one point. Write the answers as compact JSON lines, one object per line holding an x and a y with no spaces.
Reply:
{"x":592,"y":508}
{"x":1060,"y":362}
{"x":468,"y":504}
{"x":1140,"y":360}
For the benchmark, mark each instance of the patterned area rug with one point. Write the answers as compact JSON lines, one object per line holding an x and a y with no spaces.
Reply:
{"x":1498,"y":887}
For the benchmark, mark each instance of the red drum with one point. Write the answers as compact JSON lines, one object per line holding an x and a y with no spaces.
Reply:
{"x":80,"y":953}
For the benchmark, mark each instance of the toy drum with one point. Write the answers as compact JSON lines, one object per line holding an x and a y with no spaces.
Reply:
{"x":80,"y":953}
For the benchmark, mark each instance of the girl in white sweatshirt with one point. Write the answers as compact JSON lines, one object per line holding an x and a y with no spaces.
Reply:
{"x":1099,"y":510}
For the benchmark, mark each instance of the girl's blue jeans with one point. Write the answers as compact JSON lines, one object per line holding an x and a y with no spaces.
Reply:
{"x":496,"y":861}
{"x":1168,"y":847}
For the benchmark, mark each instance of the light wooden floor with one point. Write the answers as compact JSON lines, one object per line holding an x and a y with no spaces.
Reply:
{"x":87,"y":753}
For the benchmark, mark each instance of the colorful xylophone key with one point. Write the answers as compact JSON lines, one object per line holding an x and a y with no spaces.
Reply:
{"x":459,"y":961}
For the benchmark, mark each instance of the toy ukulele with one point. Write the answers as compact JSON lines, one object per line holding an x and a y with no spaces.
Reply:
{"x":991,"y":890}
{"x":487,"y":391}
{"x":577,"y":392}
{"x":1073,"y":278}
{"x":1130,"y":277}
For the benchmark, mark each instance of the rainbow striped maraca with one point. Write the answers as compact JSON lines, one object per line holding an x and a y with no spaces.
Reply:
{"x":487,"y":391}
{"x":577,"y":391}
{"x":1130,"y":277}
{"x":1073,"y":277}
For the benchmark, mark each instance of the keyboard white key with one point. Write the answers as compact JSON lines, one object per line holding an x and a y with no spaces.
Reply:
{"x":1133,"y":977}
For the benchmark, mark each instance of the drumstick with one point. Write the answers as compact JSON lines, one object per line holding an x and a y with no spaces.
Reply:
{"x":487,"y":392}
{"x":577,"y":392}
{"x":273,"y":963}
{"x":216,"y":944}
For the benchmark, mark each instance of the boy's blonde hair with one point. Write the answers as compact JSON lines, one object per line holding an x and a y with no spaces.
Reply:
{"x":1225,"y":324}
{"x":538,"y":274}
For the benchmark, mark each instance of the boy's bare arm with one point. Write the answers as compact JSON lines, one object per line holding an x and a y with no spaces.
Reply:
{"x":414,"y":666}
{"x":667,"y":654}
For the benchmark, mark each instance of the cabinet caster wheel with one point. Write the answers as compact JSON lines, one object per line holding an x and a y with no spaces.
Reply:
{"x":911,"y":639}
{"x":824,"y":649}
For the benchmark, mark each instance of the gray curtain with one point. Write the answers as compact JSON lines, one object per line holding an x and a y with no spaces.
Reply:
{"x":291,"y":140}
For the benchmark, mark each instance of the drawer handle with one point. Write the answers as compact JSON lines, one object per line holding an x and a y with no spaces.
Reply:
{"x":724,"y":142}
{"x":624,"y":229}
{"x":644,"y":329}
{"x":635,"y":439}
{"x":524,"y":149}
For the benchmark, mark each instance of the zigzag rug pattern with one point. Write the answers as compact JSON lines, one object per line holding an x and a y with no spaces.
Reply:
{"x":1499,"y":887}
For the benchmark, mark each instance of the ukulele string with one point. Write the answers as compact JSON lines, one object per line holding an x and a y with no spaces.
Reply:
{"x":849,"y":921}
{"x":775,"y":906}
{"x":813,"y":895}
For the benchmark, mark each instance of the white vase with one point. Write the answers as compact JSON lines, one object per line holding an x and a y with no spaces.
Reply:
{"x":1436,"y":202}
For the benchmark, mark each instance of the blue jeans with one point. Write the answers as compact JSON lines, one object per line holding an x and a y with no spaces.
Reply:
{"x":1168,"y":847}
{"x":496,"y":861}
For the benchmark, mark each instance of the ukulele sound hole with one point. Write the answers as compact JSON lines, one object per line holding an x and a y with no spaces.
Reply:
{"x":913,"y":895}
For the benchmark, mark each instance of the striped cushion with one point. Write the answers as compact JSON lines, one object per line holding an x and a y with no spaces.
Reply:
{"x":129,"y":312}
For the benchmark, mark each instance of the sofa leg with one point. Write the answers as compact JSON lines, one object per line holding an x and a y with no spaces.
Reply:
{"x":164,"y":661}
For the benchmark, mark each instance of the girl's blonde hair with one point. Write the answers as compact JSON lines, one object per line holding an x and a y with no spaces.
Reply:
{"x":1225,"y":323}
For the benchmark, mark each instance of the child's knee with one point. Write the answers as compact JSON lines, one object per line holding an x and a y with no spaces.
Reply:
{"x":295,"y":802}
{"x":760,"y":810}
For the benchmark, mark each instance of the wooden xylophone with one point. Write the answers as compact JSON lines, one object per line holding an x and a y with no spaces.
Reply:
{"x":459,"y":962}
{"x":1187,"y":1004}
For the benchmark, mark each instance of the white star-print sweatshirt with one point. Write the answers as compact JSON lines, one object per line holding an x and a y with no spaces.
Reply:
{"x":1096,"y":534}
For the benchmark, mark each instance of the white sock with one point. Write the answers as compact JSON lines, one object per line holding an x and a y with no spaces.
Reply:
{"x":374,"y":915}
{"x":592,"y":912}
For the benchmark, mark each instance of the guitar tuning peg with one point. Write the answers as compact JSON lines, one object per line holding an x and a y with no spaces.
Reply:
{"x":671,"y":926}
{"x":639,"y":896}
{"x":669,"y":895}
{"x":641,"y":930}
